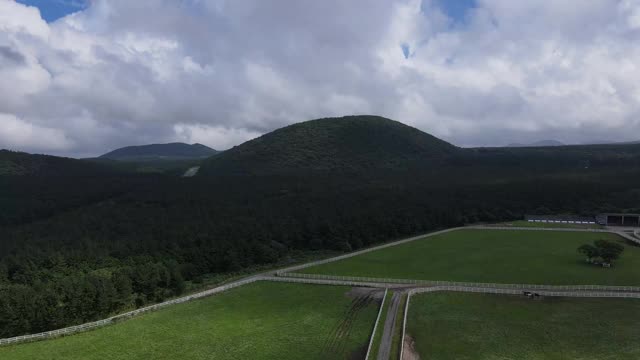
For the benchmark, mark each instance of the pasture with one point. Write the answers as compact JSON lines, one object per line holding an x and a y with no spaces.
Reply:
{"x":482,"y":326}
{"x":493,"y":256}
{"x":263,"y":320}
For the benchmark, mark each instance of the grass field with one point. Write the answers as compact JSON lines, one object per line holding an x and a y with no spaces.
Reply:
{"x":480,"y":326}
{"x":500,"y":256}
{"x":257,"y":321}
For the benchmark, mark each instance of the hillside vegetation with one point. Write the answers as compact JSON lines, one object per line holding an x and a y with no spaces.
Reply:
{"x":352,"y":143}
{"x":20,"y":163}
{"x":79,"y":247}
{"x":155,"y":152}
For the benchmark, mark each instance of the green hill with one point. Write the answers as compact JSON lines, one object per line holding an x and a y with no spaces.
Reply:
{"x":154,"y":152}
{"x":350,"y":143}
{"x":20,"y":163}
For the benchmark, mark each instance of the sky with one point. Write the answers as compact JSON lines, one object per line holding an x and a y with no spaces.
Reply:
{"x":82,"y":77}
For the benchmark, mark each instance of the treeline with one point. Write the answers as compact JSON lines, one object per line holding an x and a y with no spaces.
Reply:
{"x":44,"y":298}
{"x":118,"y":250}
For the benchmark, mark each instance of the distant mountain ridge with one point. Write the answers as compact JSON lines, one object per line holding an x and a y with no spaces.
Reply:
{"x":21,"y":163}
{"x":170,"y":151}
{"x":350,"y":143}
{"x":540,"y":143}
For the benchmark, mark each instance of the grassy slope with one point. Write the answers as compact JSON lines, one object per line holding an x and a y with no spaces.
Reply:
{"x":256,"y":321}
{"x":501,"y":256}
{"x":478,"y":326}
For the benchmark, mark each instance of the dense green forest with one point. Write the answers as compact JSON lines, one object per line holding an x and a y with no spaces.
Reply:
{"x":83,"y":240}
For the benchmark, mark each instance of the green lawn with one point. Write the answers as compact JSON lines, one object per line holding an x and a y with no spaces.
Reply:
{"x":460,"y":326}
{"x":257,"y":321}
{"x":501,"y":256}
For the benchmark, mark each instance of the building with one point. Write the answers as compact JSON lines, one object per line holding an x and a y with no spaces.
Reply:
{"x":630,"y":220}
{"x":561,"y":219}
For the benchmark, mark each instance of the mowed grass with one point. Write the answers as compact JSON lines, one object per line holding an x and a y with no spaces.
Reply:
{"x":482,"y":326}
{"x":257,"y":321}
{"x":493,"y":256}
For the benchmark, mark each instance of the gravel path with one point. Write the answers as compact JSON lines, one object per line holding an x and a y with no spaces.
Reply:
{"x":389,"y":327}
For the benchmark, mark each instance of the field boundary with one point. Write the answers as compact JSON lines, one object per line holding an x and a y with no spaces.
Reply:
{"x":375,"y":326}
{"x":432,"y":283}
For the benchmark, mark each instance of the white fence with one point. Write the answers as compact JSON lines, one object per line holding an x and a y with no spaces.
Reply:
{"x":375,"y":326}
{"x":404,"y":324}
{"x":619,"y":233}
{"x":405,"y":282}
{"x":113,"y":319}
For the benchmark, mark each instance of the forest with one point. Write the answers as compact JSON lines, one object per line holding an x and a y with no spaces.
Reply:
{"x":81,"y":245}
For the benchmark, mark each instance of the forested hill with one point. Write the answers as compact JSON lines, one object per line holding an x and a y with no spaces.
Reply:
{"x":351,"y":143}
{"x":171,"y":151}
{"x":80,"y":247}
{"x":20,"y":163}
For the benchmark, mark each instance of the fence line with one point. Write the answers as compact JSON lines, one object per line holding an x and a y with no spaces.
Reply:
{"x":404,"y":324}
{"x":375,"y":326}
{"x":401,"y":282}
{"x":619,"y":233}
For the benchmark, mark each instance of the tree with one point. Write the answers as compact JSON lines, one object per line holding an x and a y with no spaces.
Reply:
{"x":609,"y":250}
{"x":603,"y":249}
{"x":589,"y":251}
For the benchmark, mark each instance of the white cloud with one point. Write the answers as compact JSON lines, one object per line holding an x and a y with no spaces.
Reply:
{"x":217,"y":137}
{"x":17,"y":134}
{"x":220,"y":72}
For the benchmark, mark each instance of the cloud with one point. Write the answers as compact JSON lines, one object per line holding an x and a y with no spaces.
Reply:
{"x":212,"y":136}
{"x":220,"y":72}
{"x":17,"y":134}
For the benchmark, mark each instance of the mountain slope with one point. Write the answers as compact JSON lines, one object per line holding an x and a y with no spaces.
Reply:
{"x":171,"y":151}
{"x":540,"y":143}
{"x":20,"y":163}
{"x":351,"y":143}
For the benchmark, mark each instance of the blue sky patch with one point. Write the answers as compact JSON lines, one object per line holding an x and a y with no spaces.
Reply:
{"x":406,"y":50}
{"x":52,"y":10}
{"x":456,"y":9}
